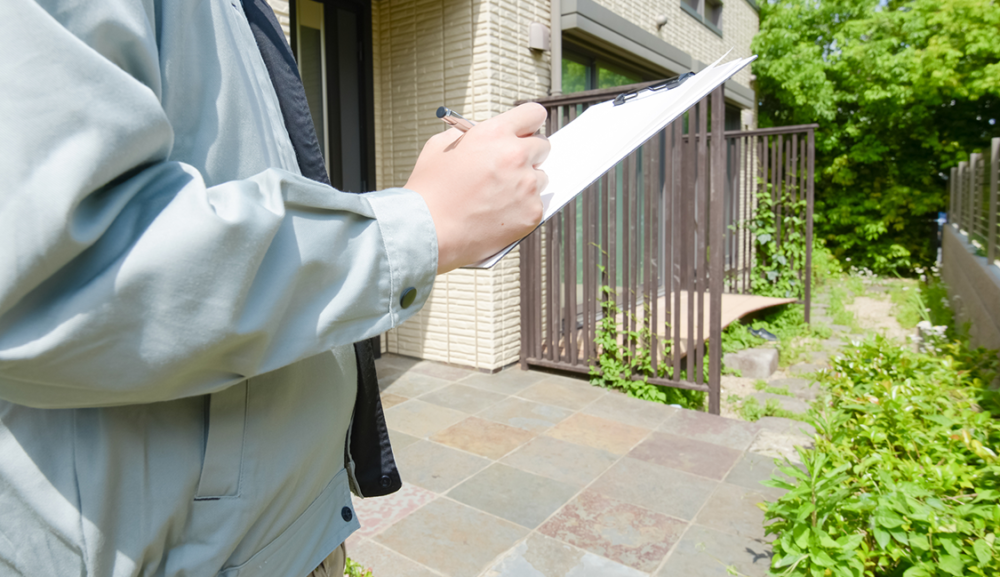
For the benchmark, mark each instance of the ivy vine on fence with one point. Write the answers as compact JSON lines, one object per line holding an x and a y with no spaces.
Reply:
{"x":624,"y":357}
{"x":779,"y":243}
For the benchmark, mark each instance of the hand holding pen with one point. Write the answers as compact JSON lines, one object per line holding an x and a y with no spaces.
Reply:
{"x":482,"y":186}
{"x":452,"y":118}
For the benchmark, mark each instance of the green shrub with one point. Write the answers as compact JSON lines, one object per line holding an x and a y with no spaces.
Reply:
{"x":353,"y":569}
{"x":904,"y":478}
{"x":624,"y":360}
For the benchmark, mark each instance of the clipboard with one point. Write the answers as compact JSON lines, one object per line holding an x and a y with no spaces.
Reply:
{"x":605,"y":133}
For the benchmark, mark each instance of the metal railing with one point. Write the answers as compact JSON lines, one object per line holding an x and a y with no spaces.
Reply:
{"x":973,"y":208}
{"x":646,"y":230}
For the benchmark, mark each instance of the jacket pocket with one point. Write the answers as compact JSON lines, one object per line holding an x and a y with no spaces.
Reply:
{"x":223,"y":466}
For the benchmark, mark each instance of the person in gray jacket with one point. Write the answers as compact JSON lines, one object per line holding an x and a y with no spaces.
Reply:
{"x":178,"y":302}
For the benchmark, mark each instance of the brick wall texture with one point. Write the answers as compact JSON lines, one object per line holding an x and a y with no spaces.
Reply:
{"x":471,"y":56}
{"x":739,"y":25}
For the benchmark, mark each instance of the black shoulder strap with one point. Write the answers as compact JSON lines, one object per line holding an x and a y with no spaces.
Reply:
{"x":368,"y":440}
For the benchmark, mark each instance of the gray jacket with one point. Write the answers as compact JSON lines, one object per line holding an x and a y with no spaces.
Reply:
{"x":177,"y":303}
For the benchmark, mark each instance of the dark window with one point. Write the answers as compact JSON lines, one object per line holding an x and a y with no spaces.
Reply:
{"x":708,"y":12}
{"x":582,"y":72}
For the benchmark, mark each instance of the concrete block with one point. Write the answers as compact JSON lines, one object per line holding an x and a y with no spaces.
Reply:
{"x":753,"y":363}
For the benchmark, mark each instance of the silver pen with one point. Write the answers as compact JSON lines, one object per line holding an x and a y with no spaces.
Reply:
{"x":455,"y":119}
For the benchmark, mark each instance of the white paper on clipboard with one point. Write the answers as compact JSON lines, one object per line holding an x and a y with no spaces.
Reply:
{"x":604,"y":134}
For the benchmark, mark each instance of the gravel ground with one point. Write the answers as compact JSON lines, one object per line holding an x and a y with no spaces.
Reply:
{"x":874,"y":313}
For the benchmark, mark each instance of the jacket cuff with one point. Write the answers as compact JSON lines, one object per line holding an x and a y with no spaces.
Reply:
{"x":411,"y":247}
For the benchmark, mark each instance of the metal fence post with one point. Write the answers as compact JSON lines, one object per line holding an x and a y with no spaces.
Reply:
{"x":961,"y":209}
{"x":975,"y":195}
{"x":953,"y":176}
{"x":991,"y":236}
{"x":810,"y":190}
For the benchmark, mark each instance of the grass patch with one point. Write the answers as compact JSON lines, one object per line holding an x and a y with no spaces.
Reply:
{"x":762,"y":386}
{"x":751,"y":410}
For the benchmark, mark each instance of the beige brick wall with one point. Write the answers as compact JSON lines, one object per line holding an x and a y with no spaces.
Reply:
{"x":472,"y":56}
{"x":280,"y":8}
{"x":739,"y":25}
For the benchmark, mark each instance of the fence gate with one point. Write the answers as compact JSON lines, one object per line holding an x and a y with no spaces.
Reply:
{"x":646,"y":230}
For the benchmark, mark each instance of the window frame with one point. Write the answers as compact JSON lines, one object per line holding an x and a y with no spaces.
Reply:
{"x":698,"y":13}
{"x":594,"y":61}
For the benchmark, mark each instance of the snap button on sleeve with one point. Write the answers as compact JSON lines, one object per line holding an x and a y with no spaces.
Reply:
{"x":409,"y":295}
{"x":346,"y":513}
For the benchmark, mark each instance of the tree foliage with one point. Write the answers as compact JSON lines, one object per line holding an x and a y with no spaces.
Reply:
{"x":902,"y":89}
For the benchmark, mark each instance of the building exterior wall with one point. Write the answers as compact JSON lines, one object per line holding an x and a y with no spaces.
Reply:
{"x":740,"y":23}
{"x":471,"y":56}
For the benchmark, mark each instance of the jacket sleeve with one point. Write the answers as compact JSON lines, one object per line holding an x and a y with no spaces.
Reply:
{"x":125,"y":279}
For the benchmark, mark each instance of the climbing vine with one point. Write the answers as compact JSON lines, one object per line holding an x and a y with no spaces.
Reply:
{"x":624,"y":359}
{"x":780,"y":244}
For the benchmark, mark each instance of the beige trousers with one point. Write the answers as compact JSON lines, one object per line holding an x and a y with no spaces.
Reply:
{"x":332,"y":566}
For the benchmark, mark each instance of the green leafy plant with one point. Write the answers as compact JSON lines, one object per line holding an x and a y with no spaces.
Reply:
{"x":624,"y":359}
{"x":904,"y":478}
{"x":352,"y":569}
{"x":779,"y":245}
{"x":737,"y":337}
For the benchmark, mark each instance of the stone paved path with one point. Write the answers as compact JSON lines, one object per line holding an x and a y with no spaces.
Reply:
{"x":528,"y":474}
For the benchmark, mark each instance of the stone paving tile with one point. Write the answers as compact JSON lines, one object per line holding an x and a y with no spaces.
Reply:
{"x":421,"y":419}
{"x":387,"y":375}
{"x":384,"y":561}
{"x":411,"y":385}
{"x":561,"y":391}
{"x":401,"y":440}
{"x":513,"y":494}
{"x":396,"y":361}
{"x":527,"y":415}
{"x":378,"y":513}
{"x":655,"y":487}
{"x":689,"y":455}
{"x":436,"y":467}
{"x":751,"y":469}
{"x":461,"y":398}
{"x":483,"y":437}
{"x":732,"y":509}
{"x":441,"y":371}
{"x":599,"y":433}
{"x":619,"y":407}
{"x":507,"y":382}
{"x":625,"y":533}
{"x":561,"y":460}
{"x":786,"y":426}
{"x":541,"y":556}
{"x":780,"y":445}
{"x":711,"y":429}
{"x":390,"y":400}
{"x":704,"y":552}
{"x":452,"y":538}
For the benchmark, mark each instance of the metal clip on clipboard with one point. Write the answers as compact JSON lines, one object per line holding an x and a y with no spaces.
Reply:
{"x":668,"y":84}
